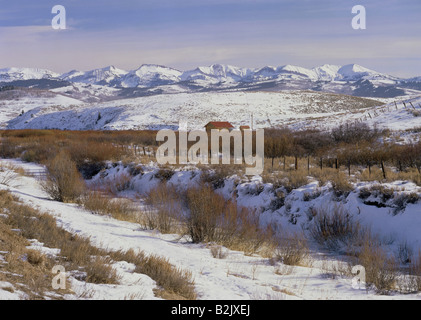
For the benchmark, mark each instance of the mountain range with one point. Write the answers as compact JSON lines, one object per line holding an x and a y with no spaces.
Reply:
{"x":150,"y":79}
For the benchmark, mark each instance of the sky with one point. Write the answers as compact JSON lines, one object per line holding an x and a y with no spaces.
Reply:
{"x":184,"y":34}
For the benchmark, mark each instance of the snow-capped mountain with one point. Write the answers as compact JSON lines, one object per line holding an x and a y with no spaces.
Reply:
{"x":105,"y":76}
{"x":350,"y":79}
{"x":354,"y":72}
{"x":16,"y":74}
{"x":149,"y":75}
{"x":218,"y":73}
{"x":326,"y":72}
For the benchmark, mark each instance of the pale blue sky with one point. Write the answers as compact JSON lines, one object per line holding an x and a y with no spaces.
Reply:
{"x":187,"y":33}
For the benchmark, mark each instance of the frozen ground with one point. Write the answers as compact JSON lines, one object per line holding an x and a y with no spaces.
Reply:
{"x":237,"y":277}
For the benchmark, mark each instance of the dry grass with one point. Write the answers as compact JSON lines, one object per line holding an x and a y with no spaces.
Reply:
{"x":78,"y":254}
{"x":340,"y":181}
{"x":290,"y":179}
{"x":28,"y":271}
{"x":410,"y":174}
{"x":174,"y":282}
{"x":99,"y":203}
{"x":101,"y":271}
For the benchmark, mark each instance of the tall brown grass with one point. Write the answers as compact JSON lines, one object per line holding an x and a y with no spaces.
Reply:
{"x":102,"y":204}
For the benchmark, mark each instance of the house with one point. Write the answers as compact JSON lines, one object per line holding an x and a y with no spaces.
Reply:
{"x":219,"y":125}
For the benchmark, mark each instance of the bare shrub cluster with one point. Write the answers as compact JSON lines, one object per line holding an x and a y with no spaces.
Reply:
{"x":211,"y":218}
{"x":292,"y":249}
{"x":381,"y":269}
{"x":63,"y":182}
{"x":334,"y":228}
{"x":163,"y":210}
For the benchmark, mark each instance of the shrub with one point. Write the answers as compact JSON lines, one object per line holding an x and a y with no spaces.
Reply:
{"x":381,"y":271}
{"x":163,"y":210}
{"x":340,"y":184}
{"x":211,"y":218}
{"x":206,"y":208}
{"x":278,"y":202}
{"x":89,"y":149}
{"x":63,"y":182}
{"x":292,"y":250}
{"x":351,"y":133}
{"x":334,"y":227}
{"x":401,"y":201}
{"x":378,"y":190}
{"x":164,"y":174}
{"x":215,"y":175}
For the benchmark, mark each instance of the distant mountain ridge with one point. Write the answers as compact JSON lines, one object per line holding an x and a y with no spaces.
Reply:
{"x":348,"y":79}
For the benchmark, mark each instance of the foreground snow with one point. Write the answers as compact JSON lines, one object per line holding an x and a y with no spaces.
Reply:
{"x":235,"y":277}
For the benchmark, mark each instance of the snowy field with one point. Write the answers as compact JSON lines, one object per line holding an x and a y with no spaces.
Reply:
{"x":167,"y":110}
{"x":237,"y":277}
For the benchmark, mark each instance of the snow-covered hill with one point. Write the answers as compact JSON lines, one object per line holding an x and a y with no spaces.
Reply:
{"x":166,"y":110}
{"x":14,"y":104}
